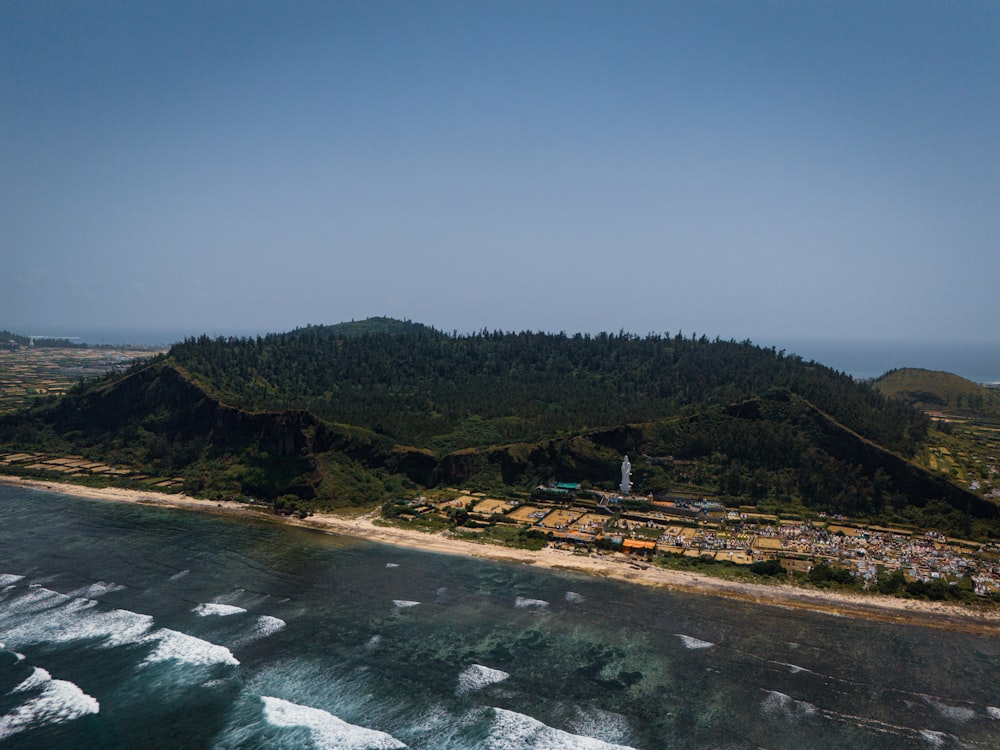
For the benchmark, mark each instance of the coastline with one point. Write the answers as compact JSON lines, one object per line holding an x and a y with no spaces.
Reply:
{"x":615,"y":565}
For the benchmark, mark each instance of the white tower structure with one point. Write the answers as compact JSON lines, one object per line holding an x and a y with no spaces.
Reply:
{"x":626,"y":485}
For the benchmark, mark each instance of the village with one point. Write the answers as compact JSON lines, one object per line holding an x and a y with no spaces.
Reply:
{"x":595,"y":522}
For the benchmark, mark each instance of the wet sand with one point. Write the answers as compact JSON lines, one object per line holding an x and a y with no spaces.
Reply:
{"x":973,"y":619}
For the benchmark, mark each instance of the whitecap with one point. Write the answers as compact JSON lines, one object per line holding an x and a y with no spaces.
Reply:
{"x":936,"y":739}
{"x":58,"y":702}
{"x":960,"y":714}
{"x":98,"y":588}
{"x":523,"y":602}
{"x":35,"y":680}
{"x":575,"y":598}
{"x":43,"y":616}
{"x":220,"y":610}
{"x":796,"y":669}
{"x":596,"y":722}
{"x":6,"y":579}
{"x":392,"y":565}
{"x":780,"y":704}
{"x":373,"y":642}
{"x":263,"y":626}
{"x":171,"y":644}
{"x":476,"y":677}
{"x":328,"y":731}
{"x":514,"y":731}
{"x":690,"y":642}
{"x":403,"y":603}
{"x":993,"y":712}
{"x":179,"y":575}
{"x":267,"y":625}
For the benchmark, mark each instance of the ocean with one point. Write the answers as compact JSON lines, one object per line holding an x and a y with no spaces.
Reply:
{"x":133,"y":627}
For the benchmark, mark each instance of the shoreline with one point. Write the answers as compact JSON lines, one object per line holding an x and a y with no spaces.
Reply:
{"x":615,"y":566}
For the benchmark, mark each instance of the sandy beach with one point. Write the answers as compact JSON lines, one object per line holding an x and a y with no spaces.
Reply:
{"x":979,"y":620}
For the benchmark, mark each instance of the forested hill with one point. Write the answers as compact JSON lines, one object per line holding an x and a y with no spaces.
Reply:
{"x":357,"y":412}
{"x":422,"y":387}
{"x":931,"y":390}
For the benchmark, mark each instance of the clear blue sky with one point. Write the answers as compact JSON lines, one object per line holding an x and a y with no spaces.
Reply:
{"x":762,"y":170}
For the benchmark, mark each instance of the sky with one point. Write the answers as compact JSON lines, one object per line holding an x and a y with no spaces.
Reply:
{"x":765,"y":170}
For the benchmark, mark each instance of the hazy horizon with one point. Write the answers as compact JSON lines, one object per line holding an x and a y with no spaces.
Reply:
{"x":772,"y":171}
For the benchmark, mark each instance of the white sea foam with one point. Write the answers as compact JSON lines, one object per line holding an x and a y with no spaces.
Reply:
{"x":171,"y":644}
{"x":35,"y":680}
{"x":221,"y":610}
{"x":948,"y":711}
{"x":373,"y":642}
{"x":932,"y":738}
{"x":476,"y":677}
{"x":523,"y":602}
{"x":328,"y":731}
{"x":392,"y":565}
{"x":514,"y":731}
{"x":575,"y":598}
{"x":795,"y":669}
{"x":993,"y":712}
{"x":779,"y":704}
{"x":263,"y":626}
{"x":267,"y":625}
{"x":98,"y":588}
{"x":403,"y":603}
{"x":179,"y":575}
{"x":598,"y":723}
{"x":43,"y":616}
{"x":6,"y":579}
{"x":59,"y":701}
{"x":690,"y":642}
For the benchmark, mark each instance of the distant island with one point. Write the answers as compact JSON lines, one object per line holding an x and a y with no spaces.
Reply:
{"x":427,"y":425}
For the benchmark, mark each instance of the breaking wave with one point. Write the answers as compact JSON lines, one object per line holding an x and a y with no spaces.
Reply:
{"x":522,"y":602}
{"x":221,"y":610}
{"x":98,"y":588}
{"x":777,"y":704}
{"x":328,"y":731}
{"x":476,"y":677}
{"x":690,"y":642}
{"x":59,"y":701}
{"x":171,"y":644}
{"x":514,"y":731}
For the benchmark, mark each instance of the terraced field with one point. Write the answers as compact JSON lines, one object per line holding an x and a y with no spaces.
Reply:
{"x":30,"y":373}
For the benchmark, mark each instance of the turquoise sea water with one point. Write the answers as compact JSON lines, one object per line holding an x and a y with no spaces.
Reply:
{"x":132,"y":627}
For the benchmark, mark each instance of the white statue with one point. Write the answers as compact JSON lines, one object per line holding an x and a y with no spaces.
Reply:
{"x":626,"y":485}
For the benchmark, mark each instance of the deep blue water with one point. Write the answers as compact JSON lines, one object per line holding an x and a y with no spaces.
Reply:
{"x":129,"y":627}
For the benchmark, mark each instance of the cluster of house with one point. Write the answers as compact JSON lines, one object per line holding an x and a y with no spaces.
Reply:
{"x":705,"y":528}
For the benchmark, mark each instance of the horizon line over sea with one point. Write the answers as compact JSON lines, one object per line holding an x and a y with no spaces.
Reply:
{"x":863,"y":360}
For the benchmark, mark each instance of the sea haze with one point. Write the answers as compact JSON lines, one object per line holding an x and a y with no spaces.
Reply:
{"x":126,"y":626}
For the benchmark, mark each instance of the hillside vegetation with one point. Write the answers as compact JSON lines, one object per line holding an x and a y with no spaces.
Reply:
{"x":351,"y":414}
{"x":940,"y":391}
